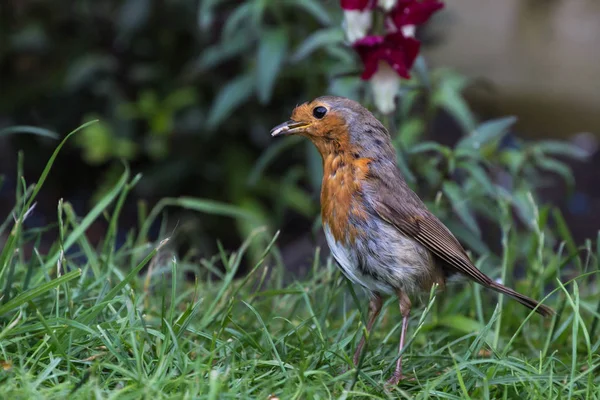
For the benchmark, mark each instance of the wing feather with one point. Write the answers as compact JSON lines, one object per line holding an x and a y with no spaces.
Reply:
{"x":431,"y":233}
{"x":421,"y":225}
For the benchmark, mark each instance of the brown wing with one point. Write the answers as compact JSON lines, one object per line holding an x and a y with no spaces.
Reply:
{"x":430,"y":232}
{"x":417,"y":222}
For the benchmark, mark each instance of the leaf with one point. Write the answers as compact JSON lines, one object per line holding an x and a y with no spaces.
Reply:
{"x":317,"y":40}
{"x":85,"y":70}
{"x":559,"y":168}
{"x":344,"y":58}
{"x":195,"y":204}
{"x":217,"y":54}
{"x":314,"y":166}
{"x":408,"y":99}
{"x":246,"y":226}
{"x":422,"y":71}
{"x":410,"y":132}
{"x":235,"y":19}
{"x":148,"y":103}
{"x":485,"y":133}
{"x":96,"y":142}
{"x":448,"y":96}
{"x":466,"y":236}
{"x":289,"y":193}
{"x":269,"y":155}
{"x":258,"y":12}
{"x":403,"y":165}
{"x":206,"y":14}
{"x":297,"y":199}
{"x":181,"y":98}
{"x":133,"y":15}
{"x":314,"y":8}
{"x":33,"y":130}
{"x":513,"y":159}
{"x":271,"y":53}
{"x":229,"y":98}
{"x":348,"y":86}
{"x":430,"y":146}
{"x":460,"y":205}
{"x":479,"y":175}
{"x":559,"y":148}
{"x":461,"y":323}
{"x":525,"y":211}
{"x":210,"y":207}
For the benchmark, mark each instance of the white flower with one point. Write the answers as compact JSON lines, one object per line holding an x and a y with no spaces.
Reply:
{"x":387,"y":5}
{"x":408,"y":30}
{"x":357,"y":24}
{"x":385,"y":84}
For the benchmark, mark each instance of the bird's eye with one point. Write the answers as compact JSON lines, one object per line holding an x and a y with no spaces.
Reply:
{"x":319,"y":112}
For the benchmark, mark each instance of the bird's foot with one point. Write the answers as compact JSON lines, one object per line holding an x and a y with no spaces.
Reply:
{"x":396,"y":378}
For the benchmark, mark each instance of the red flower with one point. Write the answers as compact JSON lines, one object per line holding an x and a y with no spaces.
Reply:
{"x":397,"y":50}
{"x":413,"y":12}
{"x":359,"y":5}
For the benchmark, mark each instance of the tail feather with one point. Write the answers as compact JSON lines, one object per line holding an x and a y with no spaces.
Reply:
{"x":526,"y":301}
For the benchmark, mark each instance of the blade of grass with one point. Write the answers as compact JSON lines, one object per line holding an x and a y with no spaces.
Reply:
{"x":232,"y":267}
{"x":111,"y":234}
{"x":10,"y":244}
{"x":89,"y":219}
{"x":195,"y":204}
{"x":461,"y":381}
{"x":505,"y":261}
{"x":269,"y":338}
{"x":91,"y":314}
{"x":46,"y":171}
{"x":565,"y":234}
{"x":32,"y":130}
{"x":32,"y":294}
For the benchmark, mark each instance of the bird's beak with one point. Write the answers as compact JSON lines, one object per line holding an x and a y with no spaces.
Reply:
{"x":288,"y":128}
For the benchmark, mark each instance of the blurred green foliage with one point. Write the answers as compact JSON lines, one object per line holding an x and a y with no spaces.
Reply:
{"x":187,"y":91}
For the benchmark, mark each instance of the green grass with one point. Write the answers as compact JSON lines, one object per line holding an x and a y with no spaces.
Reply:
{"x":84,"y":321}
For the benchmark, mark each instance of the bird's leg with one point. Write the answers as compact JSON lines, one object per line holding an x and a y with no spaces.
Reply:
{"x":374,"y":309}
{"x":405,"y":305}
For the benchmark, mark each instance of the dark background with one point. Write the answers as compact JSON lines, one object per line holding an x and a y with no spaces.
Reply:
{"x":183,"y":95}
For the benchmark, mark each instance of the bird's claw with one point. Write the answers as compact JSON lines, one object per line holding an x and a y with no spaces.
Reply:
{"x":396,"y":378}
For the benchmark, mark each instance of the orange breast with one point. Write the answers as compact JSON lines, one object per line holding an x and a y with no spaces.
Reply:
{"x":341,"y":194}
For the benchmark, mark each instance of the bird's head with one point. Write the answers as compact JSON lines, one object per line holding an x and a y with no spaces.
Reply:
{"x":337,"y":124}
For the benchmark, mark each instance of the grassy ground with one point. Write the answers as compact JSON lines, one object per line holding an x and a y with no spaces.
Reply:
{"x":107,"y":322}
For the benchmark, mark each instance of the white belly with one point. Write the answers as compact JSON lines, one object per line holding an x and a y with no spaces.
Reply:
{"x":388,"y":261}
{"x":348,"y":262}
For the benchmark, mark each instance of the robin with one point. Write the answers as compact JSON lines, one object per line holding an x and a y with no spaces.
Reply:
{"x":380,"y":233}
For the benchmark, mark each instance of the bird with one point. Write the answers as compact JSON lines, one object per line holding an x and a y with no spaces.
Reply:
{"x":380,"y":233}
